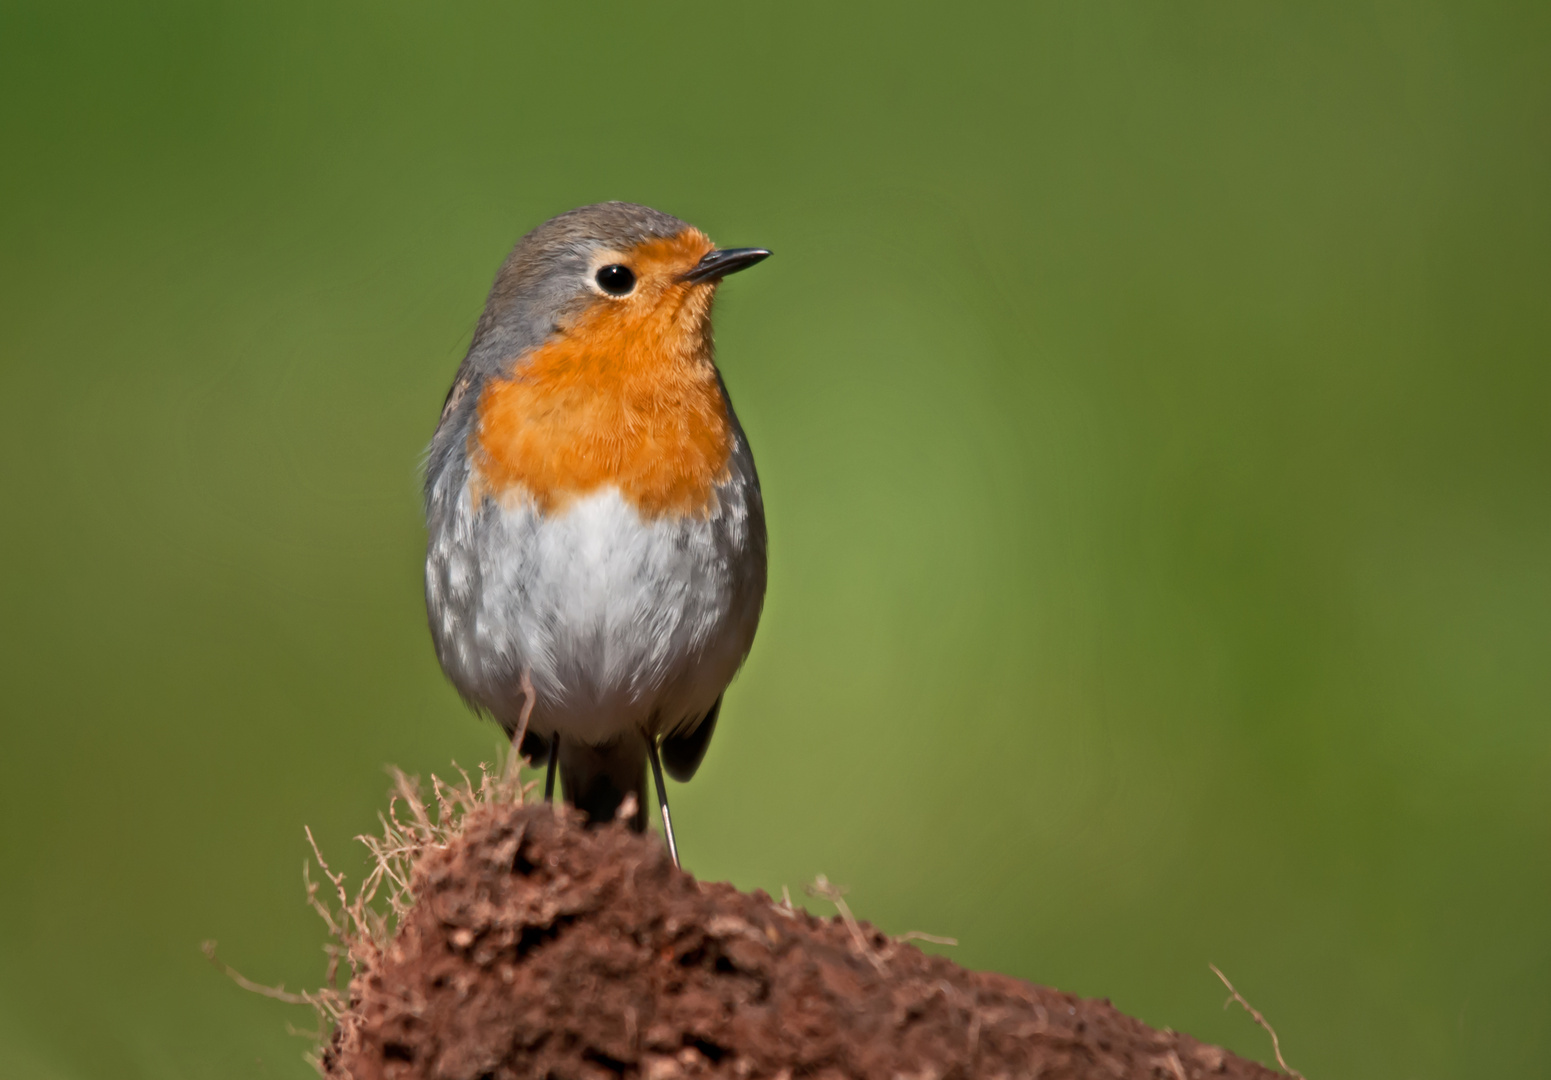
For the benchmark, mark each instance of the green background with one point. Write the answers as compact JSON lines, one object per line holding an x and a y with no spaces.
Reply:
{"x":1154,"y":413}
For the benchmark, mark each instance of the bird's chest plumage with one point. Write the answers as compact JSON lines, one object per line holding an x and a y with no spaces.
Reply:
{"x":622,"y":621}
{"x":642,"y":412}
{"x":610,"y":543}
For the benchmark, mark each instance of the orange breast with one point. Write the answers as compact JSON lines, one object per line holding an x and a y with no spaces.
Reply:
{"x":628,"y":396}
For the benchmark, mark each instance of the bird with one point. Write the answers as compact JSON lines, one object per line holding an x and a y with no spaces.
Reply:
{"x":596,"y":548}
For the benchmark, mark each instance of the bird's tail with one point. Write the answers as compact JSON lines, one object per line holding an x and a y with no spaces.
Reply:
{"x":596,"y":779}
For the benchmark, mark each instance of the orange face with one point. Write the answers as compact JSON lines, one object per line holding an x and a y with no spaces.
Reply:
{"x":626,"y":395}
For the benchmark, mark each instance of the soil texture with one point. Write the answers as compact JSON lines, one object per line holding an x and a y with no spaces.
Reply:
{"x":537,"y":948}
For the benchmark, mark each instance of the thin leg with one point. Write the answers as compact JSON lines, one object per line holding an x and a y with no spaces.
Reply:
{"x":514,"y":760}
{"x":662,"y":799}
{"x":549,"y":775}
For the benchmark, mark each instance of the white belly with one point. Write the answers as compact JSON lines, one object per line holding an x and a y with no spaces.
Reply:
{"x":621,"y":623}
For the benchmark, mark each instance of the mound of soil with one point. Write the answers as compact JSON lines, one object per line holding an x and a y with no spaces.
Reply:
{"x":538,"y":949}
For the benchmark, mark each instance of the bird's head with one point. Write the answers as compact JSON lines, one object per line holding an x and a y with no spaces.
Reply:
{"x":613,"y":279}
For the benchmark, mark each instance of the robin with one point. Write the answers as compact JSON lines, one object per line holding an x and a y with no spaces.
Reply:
{"x":595,"y":565}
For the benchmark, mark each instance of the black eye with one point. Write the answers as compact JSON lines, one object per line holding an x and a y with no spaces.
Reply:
{"x":616,"y":280}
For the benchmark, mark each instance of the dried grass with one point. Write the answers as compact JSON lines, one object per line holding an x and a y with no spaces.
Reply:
{"x":824,"y":889}
{"x":362,"y":924}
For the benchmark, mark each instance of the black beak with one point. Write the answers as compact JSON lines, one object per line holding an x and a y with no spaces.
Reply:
{"x":718,"y":264}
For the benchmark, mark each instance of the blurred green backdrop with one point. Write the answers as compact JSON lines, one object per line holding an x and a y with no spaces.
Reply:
{"x":1154,"y":414}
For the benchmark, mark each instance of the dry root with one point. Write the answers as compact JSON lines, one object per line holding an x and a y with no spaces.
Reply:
{"x":1276,"y":1044}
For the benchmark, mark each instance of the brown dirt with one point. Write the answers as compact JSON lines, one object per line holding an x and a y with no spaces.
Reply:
{"x":534,"y":948}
